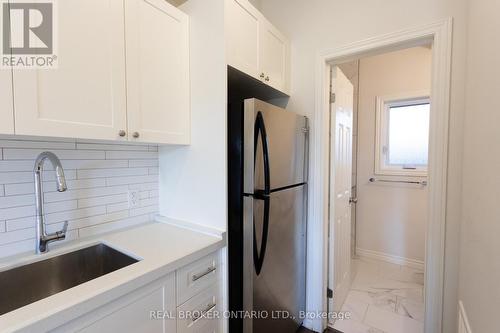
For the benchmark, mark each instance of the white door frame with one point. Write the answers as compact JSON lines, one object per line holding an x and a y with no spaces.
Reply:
{"x":440,"y":35}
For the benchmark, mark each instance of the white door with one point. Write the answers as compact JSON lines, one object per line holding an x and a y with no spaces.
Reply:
{"x":84,"y":97}
{"x":273,"y":56}
{"x":340,"y":188}
{"x":6,"y":106}
{"x":157,"y":38}
{"x":242,"y":37}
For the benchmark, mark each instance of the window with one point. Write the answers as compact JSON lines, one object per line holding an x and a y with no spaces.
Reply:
{"x":402,"y":140}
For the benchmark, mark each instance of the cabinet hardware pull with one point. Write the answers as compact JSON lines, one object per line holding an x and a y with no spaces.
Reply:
{"x":201,"y":313}
{"x":135,"y":135}
{"x":267,"y":78}
{"x":122,"y":133}
{"x":262,"y":75}
{"x":208,"y":271}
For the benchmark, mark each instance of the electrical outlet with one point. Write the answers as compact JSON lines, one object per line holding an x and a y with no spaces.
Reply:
{"x":133,"y":199}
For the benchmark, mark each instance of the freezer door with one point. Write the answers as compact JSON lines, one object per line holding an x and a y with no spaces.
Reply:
{"x":279,"y":260}
{"x":276,"y":139}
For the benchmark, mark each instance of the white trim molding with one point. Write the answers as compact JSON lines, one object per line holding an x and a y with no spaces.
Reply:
{"x":463,"y":321}
{"x":390,"y":258}
{"x":439,"y":35}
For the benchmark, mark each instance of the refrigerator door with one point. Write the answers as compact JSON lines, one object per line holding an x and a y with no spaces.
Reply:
{"x":279,"y":260}
{"x":274,"y":139}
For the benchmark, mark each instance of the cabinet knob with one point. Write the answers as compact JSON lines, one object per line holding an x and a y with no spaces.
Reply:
{"x":262,"y":75}
{"x":135,"y":135}
{"x":267,"y":78}
{"x":122,"y":133}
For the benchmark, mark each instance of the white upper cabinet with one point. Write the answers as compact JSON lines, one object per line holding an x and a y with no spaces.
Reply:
{"x":85,"y":96}
{"x":242,"y":36}
{"x":255,"y":46}
{"x":274,"y":57}
{"x":157,"y":39}
{"x":6,"y":107}
{"x":122,"y":74}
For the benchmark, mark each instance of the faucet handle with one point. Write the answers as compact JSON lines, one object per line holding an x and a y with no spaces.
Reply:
{"x":62,"y":234}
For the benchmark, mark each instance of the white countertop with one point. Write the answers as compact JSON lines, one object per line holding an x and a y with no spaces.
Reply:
{"x":162,"y":247}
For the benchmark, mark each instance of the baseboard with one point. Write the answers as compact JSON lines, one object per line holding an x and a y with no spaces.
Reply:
{"x":413,"y":263}
{"x":463,"y":322}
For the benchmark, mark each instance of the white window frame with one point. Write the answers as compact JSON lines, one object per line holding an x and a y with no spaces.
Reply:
{"x":384,"y":103}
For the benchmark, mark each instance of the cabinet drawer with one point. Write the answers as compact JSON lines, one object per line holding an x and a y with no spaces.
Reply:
{"x":197,"y":276}
{"x":203,"y":306}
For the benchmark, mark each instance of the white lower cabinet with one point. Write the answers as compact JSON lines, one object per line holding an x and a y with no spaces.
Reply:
{"x":199,"y":296}
{"x":133,"y":317}
{"x":132,"y":312}
{"x":197,"y":314}
{"x":167,"y":305}
{"x":197,"y":276}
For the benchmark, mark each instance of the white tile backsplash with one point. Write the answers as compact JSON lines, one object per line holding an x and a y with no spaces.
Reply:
{"x":99,"y":176}
{"x":67,"y":154}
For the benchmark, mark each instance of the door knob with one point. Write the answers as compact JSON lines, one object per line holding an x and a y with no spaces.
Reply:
{"x":122,"y":133}
{"x":135,"y":135}
{"x":262,"y":75}
{"x":267,"y":78}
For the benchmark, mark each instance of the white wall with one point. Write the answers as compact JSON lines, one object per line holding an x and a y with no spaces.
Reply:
{"x":257,"y":3}
{"x":317,"y":25}
{"x":99,"y":177}
{"x":391,"y":218}
{"x":193,"y":179}
{"x":480,"y":246}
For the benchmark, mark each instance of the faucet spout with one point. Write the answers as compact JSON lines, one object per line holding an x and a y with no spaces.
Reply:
{"x":42,"y":237}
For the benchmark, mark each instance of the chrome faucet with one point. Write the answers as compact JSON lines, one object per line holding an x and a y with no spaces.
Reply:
{"x":42,"y":237}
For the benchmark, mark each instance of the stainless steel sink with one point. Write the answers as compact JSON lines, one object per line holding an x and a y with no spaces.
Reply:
{"x":29,"y":283}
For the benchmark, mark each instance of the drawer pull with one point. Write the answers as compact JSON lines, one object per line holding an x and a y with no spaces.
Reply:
{"x":201,"y":313}
{"x":208,"y":271}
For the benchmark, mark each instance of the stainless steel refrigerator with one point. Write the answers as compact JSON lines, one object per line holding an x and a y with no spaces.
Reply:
{"x":267,"y":225}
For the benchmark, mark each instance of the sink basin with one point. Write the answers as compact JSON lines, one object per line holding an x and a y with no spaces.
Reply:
{"x":26,"y":284}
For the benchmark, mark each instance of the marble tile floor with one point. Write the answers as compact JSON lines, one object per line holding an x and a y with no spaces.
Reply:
{"x":384,"y":298}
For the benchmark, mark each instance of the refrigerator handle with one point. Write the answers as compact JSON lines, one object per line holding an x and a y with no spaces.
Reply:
{"x":260,"y":128}
{"x":259,"y":254}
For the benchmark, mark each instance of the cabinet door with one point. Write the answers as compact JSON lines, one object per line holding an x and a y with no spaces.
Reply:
{"x":133,"y":317}
{"x":242,"y":36}
{"x":84,"y":96}
{"x":6,"y":107}
{"x":150,"y":309}
{"x":157,"y":38}
{"x":274,"y":51}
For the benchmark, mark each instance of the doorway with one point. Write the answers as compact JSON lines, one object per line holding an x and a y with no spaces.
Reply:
{"x":379,"y":138}
{"x":438,"y":35}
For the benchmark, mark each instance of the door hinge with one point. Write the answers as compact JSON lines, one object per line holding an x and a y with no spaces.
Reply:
{"x":333,"y":98}
{"x":329,"y":293}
